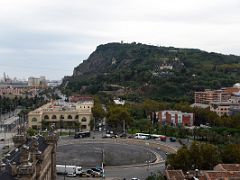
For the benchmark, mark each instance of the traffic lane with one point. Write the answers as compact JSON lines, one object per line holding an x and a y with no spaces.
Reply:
{"x":115,"y":173}
{"x":141,"y":172}
{"x":97,"y":136}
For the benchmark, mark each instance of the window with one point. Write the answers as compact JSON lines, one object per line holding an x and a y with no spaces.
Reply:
{"x":34,"y":127}
{"x":46,"y":117}
{"x":62,"y":117}
{"x":54,"y":117}
{"x":84,"y":119}
{"x":69,"y":117}
{"x":83,"y":127}
{"x":34,"y":119}
{"x":76,"y":117}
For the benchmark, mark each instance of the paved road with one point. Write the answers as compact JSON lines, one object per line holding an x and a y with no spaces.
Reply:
{"x":127,"y":173}
{"x":123,"y":172}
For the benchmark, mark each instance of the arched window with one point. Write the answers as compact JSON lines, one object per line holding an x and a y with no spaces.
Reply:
{"x":46,"y":117}
{"x":62,"y":117}
{"x":69,"y":117}
{"x":76,"y":117}
{"x":54,"y":117}
{"x":34,"y":119}
{"x":84,"y":119}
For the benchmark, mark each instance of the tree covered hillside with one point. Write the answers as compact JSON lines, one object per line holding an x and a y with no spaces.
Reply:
{"x":136,"y":71}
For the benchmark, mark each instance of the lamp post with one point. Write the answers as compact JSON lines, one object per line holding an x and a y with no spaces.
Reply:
{"x":124,"y":126}
{"x":229,"y":138}
{"x":1,"y":120}
{"x":65,"y":171}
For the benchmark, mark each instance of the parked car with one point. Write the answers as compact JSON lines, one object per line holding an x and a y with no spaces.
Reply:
{"x":110,"y":136}
{"x":173,"y":139}
{"x":82,"y":134}
{"x":93,"y":173}
{"x":131,"y":136}
{"x":85,"y":174}
{"x":97,"y":169}
{"x":124,"y":135}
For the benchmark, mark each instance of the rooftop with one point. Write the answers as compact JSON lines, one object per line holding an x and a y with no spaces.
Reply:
{"x":228,"y":167}
{"x":14,"y":156}
{"x":175,"y":174}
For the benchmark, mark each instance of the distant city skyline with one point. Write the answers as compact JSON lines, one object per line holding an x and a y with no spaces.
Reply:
{"x":50,"y":38}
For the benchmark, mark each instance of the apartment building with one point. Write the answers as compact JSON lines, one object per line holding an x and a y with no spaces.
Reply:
{"x":40,"y":82}
{"x":221,"y":108}
{"x":175,"y":118}
{"x":13,"y":91}
{"x":221,"y":101}
{"x":208,"y":96}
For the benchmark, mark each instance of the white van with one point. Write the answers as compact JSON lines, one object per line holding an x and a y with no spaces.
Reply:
{"x":69,"y":170}
{"x":141,"y":136}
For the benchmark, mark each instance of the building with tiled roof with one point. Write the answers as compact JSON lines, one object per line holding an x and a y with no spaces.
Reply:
{"x":220,"y":172}
{"x":174,"y":174}
{"x":227,"y":167}
{"x":225,"y":175}
{"x":33,"y":158}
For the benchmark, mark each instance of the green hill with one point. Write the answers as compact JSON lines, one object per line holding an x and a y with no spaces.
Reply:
{"x":135,"y":71}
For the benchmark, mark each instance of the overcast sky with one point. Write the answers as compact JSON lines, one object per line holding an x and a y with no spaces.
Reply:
{"x":51,"y":37}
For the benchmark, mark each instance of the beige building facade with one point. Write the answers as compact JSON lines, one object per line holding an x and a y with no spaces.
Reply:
{"x":64,"y":115}
{"x":221,"y":108}
{"x":34,"y":158}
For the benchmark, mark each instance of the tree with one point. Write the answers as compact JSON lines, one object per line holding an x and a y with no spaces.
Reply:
{"x":152,"y":106}
{"x":77,"y":125}
{"x":31,"y":132}
{"x":97,"y":110}
{"x":195,"y":155}
{"x":118,"y":116}
{"x":180,"y":160}
{"x":198,"y":155}
{"x":231,"y":153}
{"x":210,"y":155}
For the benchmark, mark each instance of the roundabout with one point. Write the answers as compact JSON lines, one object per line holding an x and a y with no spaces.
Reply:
{"x":91,"y":154}
{"x":123,"y":158}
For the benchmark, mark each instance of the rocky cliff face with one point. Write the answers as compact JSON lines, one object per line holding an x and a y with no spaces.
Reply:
{"x":99,"y":61}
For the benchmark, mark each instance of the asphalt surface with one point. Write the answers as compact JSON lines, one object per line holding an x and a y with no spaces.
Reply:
{"x":93,"y":154}
{"x":120,"y":172}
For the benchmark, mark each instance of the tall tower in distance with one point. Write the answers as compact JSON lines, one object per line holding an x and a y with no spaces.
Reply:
{"x":4,"y":77}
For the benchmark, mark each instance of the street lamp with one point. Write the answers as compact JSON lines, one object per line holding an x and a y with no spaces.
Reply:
{"x":229,"y":138}
{"x":65,"y":171}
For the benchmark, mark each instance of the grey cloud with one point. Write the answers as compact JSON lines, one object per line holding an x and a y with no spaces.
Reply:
{"x":61,"y":33}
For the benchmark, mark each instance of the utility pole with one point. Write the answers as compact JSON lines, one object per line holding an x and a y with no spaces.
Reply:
{"x":103,"y":172}
{"x":65,"y":171}
{"x":1,"y":120}
{"x":124,"y":126}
